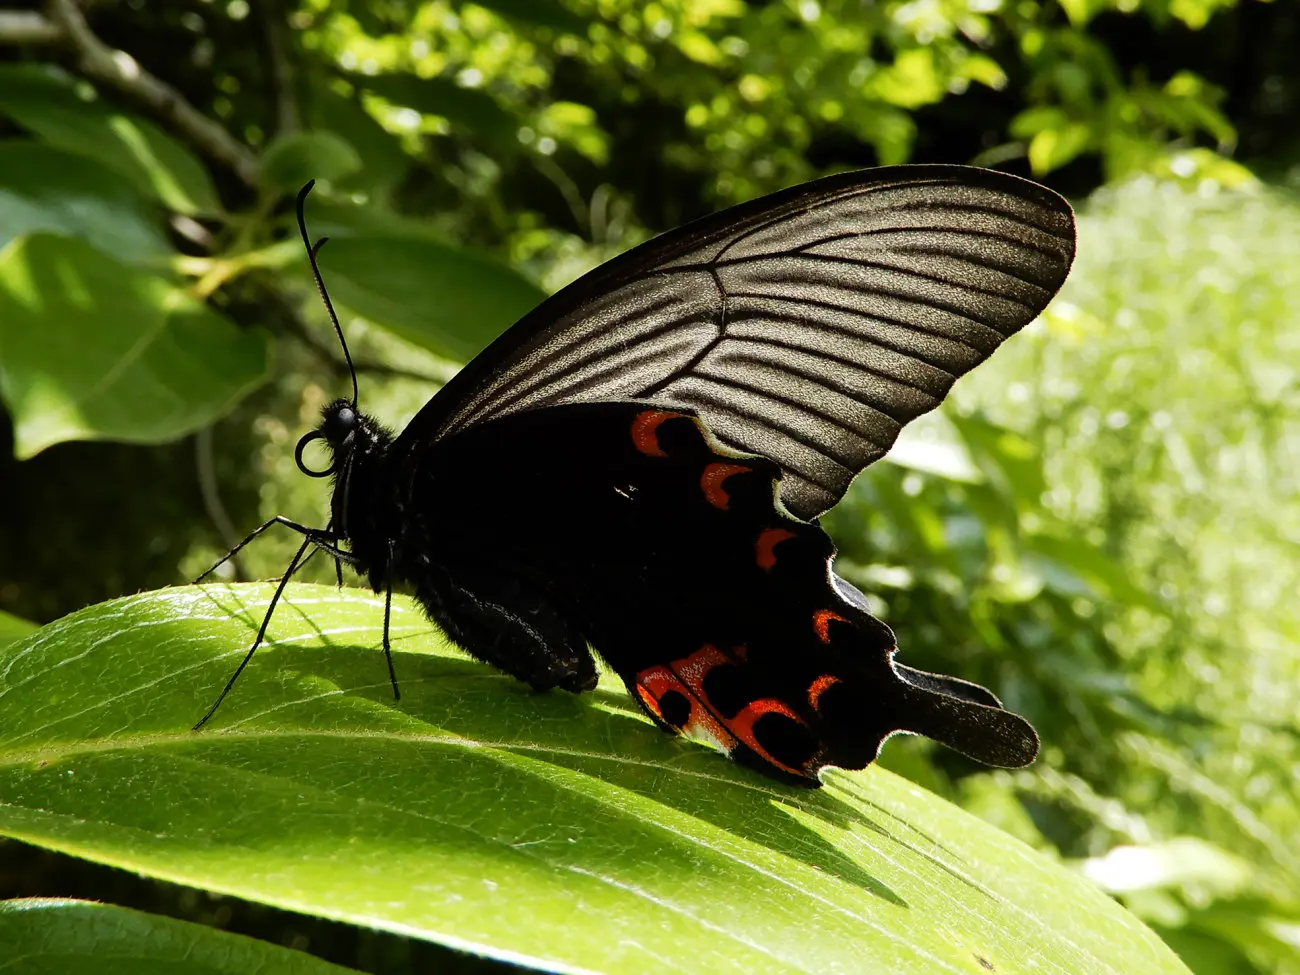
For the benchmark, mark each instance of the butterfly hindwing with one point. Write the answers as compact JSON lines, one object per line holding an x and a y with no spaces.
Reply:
{"x":631,"y":525}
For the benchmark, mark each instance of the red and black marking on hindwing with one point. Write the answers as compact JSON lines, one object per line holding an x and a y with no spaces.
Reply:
{"x":670,"y":554}
{"x":765,"y":667}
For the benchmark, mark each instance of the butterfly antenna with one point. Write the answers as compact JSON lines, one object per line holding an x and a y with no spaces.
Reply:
{"x":312,"y":251}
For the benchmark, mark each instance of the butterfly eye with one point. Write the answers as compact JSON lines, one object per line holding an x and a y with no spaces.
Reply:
{"x":306,"y":440}
{"x":345,"y":418}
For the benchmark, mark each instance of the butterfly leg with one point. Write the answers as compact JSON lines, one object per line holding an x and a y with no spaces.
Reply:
{"x":388,"y":615}
{"x":510,"y":625}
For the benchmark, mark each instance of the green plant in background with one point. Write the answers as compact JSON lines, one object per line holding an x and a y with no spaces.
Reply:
{"x":1101,"y":526}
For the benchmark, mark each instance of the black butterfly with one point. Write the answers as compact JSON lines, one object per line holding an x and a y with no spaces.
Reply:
{"x":638,"y":465}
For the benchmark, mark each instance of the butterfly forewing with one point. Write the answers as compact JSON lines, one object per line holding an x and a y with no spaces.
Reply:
{"x":807,"y":327}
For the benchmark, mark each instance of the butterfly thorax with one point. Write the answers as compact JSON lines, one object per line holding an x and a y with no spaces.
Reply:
{"x":361,"y":507}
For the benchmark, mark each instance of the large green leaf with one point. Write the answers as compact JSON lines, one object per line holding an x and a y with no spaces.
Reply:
{"x":384,"y":163}
{"x":291,"y":160}
{"x":449,"y":300}
{"x":44,"y":100}
{"x":45,"y":189}
{"x":70,"y":937}
{"x":91,"y":349}
{"x":552,"y":830}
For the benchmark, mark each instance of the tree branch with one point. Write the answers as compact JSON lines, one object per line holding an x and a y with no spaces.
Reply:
{"x":280,"y":70}
{"x":27,"y":27}
{"x":117,"y":68}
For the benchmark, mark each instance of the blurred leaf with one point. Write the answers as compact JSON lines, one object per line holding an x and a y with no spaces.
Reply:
{"x":1052,"y":148}
{"x":44,"y":100}
{"x":91,"y":349}
{"x":1247,"y":934}
{"x":931,"y":445}
{"x":70,"y":937}
{"x":543,"y":13}
{"x":292,"y":160}
{"x":1037,"y":119}
{"x":1009,"y":461}
{"x":1101,"y":574}
{"x":1082,"y":11}
{"x":1174,"y":863}
{"x":1208,"y":953}
{"x":1196,"y":13}
{"x":45,"y":189}
{"x":449,"y":300}
{"x":572,"y":124}
{"x":327,"y":216}
{"x":1196,"y":166}
{"x":911,"y":81}
{"x":474,"y":110}
{"x":487,"y":817}
{"x":13,"y":628}
{"x":384,"y":163}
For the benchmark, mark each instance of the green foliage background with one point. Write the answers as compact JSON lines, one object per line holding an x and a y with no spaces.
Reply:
{"x":1101,"y":525}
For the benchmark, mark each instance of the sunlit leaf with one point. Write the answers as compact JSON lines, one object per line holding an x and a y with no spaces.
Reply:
{"x":91,"y":349}
{"x":44,"y":100}
{"x":1053,"y":148}
{"x":911,"y":81}
{"x":474,"y":110}
{"x":485,"y":816}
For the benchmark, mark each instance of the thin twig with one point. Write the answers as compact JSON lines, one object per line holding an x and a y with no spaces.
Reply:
{"x":117,"y":68}
{"x":280,"y":69}
{"x":206,"y":468}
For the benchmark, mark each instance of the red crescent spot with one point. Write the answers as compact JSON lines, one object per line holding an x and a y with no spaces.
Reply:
{"x":653,"y":682}
{"x":819,"y":687}
{"x":645,"y":426}
{"x":711,"y":483}
{"x":822,"y":620}
{"x":691,"y":670}
{"x":743,"y":726}
{"x":649,"y":700}
{"x":768,"y":540}
{"x":656,"y":680}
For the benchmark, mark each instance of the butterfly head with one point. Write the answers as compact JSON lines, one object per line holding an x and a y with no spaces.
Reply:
{"x":357,"y":445}
{"x":346,"y":432}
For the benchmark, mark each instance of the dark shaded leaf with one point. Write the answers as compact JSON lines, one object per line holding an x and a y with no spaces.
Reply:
{"x":449,"y":300}
{"x":45,"y":189}
{"x":292,"y":160}
{"x":85,"y":938}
